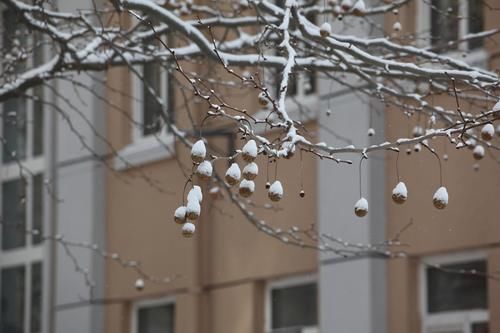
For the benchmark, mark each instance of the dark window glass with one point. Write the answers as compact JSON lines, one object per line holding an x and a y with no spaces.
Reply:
{"x":480,"y":328}
{"x":38,"y":122}
{"x":294,"y":307}
{"x":152,"y":109}
{"x":157,"y":319}
{"x":37,"y":207}
{"x":36,"y":298}
{"x":12,"y":300}
{"x":13,"y":210}
{"x":444,"y":22}
{"x":453,"y":291}
{"x":476,"y":22}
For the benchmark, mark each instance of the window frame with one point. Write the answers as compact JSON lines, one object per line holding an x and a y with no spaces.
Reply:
{"x":448,"y":320}
{"x":285,"y":283}
{"x":475,"y":57}
{"x":149,"y":303}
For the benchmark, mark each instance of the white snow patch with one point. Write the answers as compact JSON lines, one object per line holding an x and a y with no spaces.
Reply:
{"x":488,"y":129}
{"x":250,"y":148}
{"x":361,"y":204}
{"x":180,"y":213}
{"x":248,"y":184}
{"x":199,"y":149}
{"x":205,"y":168}
{"x":441,"y":195}
{"x":276,"y":188}
{"x":400,"y":190}
{"x":234,"y":171}
{"x":195,"y":194}
{"x":188,"y":228}
{"x":496,"y":107}
{"x":193,"y":207}
{"x":251,"y":168}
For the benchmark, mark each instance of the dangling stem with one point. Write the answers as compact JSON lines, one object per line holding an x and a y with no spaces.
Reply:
{"x":301,"y":172}
{"x":363,"y":156}
{"x":397,"y":167}
{"x":439,"y":162}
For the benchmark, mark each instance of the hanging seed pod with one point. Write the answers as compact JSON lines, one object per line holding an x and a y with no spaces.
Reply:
{"x":249,"y":151}
{"x":263,"y":101}
{"x":487,"y":132}
{"x":204,"y":170}
{"x":361,"y":207}
{"x":198,"y":151}
{"x":359,"y":8}
{"x":302,"y":193}
{"x":195,"y":194}
{"x":397,"y":26}
{"x":180,"y":215}
{"x":325,"y":30}
{"x":247,"y":188}
{"x":418,"y":131}
{"x":275,"y":192}
{"x":346,"y":5}
{"x":188,"y":230}
{"x":250,"y":171}
{"x":233,"y":174}
{"x":440,"y":198}
{"x":193,"y":210}
{"x":139,"y":284}
{"x":371,"y":132}
{"x":400,"y":193}
{"x":478,"y":152}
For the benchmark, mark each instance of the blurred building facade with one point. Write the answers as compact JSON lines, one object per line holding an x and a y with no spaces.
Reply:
{"x":232,"y":276}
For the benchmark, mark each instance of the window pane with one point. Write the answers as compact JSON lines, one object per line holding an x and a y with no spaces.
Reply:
{"x":36,"y":297}
{"x":152,"y":109}
{"x":12,"y":300}
{"x":294,"y":306}
{"x":38,"y":123}
{"x":158,"y":319}
{"x":480,"y":328}
{"x":13,"y":201}
{"x":37,"y":207}
{"x":476,"y":22}
{"x":449,"y":291}
{"x":14,"y":129}
{"x":444,"y":22}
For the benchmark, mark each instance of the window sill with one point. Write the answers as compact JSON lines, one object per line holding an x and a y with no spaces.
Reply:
{"x":146,"y":150}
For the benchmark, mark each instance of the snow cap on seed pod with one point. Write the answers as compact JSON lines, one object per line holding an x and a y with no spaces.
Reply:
{"x":371,"y":132}
{"x":139,"y":284}
{"x":346,"y":5}
{"x":359,"y":8}
{"x":250,"y":171}
{"x":263,"y":101}
{"x":198,"y":151}
{"x":204,"y":170}
{"x":400,"y":193}
{"x":418,"y":131}
{"x":325,"y":30}
{"x":249,"y":151}
{"x":361,"y":207}
{"x":440,"y":198}
{"x":195,"y":194}
{"x":180,"y":215}
{"x":397,"y":26}
{"x":193,"y":210}
{"x":233,"y":174}
{"x":417,"y":147}
{"x":275,"y":192}
{"x":487,"y":132}
{"x":188,"y":230}
{"x":247,"y":187}
{"x":478,"y":152}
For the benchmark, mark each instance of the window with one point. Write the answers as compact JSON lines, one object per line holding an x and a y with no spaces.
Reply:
{"x":292,"y":306}
{"x":153,"y":316}
{"x":21,"y":192}
{"x":154,"y":97}
{"x":449,"y":20}
{"x":453,"y":299}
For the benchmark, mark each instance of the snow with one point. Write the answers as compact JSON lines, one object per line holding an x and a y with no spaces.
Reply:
{"x":199,"y":151}
{"x":139,"y":284}
{"x":180,"y":214}
{"x":359,"y":7}
{"x":195,"y":194}
{"x":346,"y":4}
{"x":361,"y":204}
{"x":188,"y":228}
{"x":441,"y":197}
{"x":250,"y":170}
{"x":400,"y":189}
{"x":205,"y":169}
{"x":234,"y":171}
{"x":193,"y":209}
{"x":276,"y":189}
{"x":478,"y":151}
{"x":248,"y":184}
{"x":325,"y":29}
{"x":487,"y":131}
{"x":250,"y":149}
{"x":496,"y":107}
{"x":397,"y":26}
{"x":371,"y":132}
